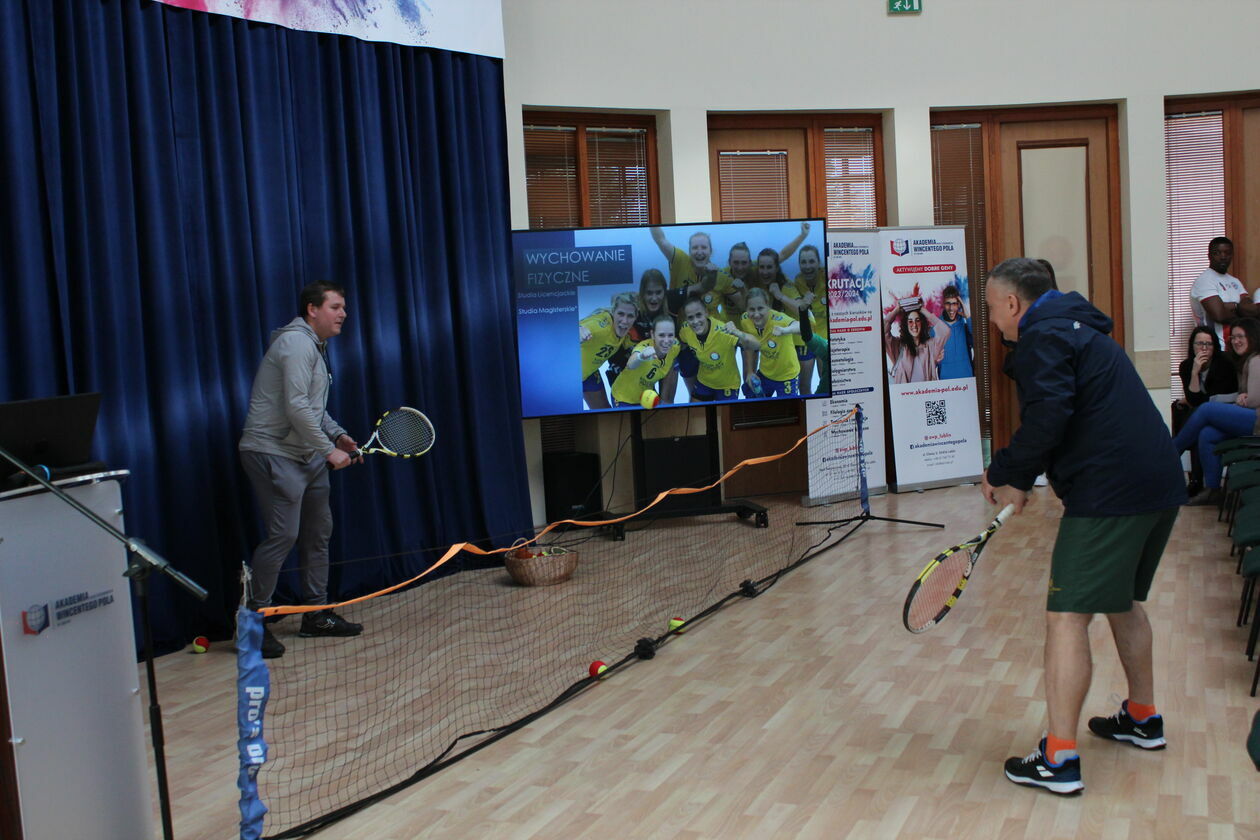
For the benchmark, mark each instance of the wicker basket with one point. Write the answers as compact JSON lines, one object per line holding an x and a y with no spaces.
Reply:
{"x":532,"y":566}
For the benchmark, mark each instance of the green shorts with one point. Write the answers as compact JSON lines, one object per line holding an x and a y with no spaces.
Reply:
{"x":1102,"y":564}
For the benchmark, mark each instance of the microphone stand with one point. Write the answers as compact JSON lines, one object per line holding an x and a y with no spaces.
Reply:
{"x":141,"y":562}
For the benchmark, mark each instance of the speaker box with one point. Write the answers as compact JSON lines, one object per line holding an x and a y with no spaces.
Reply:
{"x":571,"y":485}
{"x":671,"y":462}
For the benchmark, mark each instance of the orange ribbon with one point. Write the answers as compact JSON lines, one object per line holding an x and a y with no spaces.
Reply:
{"x":472,"y":549}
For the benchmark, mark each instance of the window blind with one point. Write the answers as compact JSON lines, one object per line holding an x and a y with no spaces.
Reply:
{"x":1194,"y":153}
{"x":753,"y":185}
{"x":617,"y":171}
{"x":958,"y":198}
{"x":551,"y":176}
{"x":849,"y":172}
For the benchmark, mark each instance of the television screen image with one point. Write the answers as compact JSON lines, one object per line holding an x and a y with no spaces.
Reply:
{"x":627,"y":318}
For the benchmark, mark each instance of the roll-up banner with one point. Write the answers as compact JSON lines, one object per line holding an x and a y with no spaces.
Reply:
{"x":856,"y":369}
{"x":929,"y":352}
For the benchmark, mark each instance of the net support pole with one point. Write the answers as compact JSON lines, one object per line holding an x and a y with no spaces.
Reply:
{"x":866,"y":515}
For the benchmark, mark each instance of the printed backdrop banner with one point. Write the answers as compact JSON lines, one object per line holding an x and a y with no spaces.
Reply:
{"x":930,"y":353}
{"x":469,"y":26}
{"x":856,"y":371}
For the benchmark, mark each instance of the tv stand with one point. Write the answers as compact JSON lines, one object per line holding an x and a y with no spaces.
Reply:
{"x":685,"y":461}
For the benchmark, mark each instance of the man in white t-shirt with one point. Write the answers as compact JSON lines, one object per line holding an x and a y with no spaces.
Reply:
{"x":1218,"y":297}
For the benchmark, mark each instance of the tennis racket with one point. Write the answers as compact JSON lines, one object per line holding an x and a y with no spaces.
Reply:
{"x":936,"y":589}
{"x":400,"y":433}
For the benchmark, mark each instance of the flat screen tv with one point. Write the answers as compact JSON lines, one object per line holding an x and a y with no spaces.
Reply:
{"x":628,"y":318}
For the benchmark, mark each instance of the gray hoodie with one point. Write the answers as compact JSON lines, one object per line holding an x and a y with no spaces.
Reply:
{"x":288,"y":404}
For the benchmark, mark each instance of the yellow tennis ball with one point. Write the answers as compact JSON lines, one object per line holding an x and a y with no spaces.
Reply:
{"x":649,"y":399}
{"x":676,"y":625}
{"x":201,"y":644}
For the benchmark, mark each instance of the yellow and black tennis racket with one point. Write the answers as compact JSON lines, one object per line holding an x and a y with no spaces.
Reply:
{"x":936,"y":589}
{"x":400,"y":433}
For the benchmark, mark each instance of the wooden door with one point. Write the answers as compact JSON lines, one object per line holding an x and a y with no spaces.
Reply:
{"x":775,"y":160}
{"x":1056,"y":192}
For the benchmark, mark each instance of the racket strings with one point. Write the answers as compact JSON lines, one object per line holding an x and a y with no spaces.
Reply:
{"x":406,"y":433}
{"x":937,"y":588}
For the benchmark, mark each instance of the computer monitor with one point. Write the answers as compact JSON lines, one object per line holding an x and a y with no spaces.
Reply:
{"x":55,"y":432}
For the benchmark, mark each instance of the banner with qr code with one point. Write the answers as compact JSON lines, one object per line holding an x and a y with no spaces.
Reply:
{"x":855,"y":368}
{"x":929,"y":356}
{"x":936,"y":433}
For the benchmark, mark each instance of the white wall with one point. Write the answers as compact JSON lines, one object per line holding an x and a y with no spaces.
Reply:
{"x":684,"y":59}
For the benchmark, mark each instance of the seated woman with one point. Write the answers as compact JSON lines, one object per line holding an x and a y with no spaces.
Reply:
{"x":1213,"y":421}
{"x":1205,"y":372}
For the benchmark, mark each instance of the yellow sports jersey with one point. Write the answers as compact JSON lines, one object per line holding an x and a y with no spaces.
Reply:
{"x":630,"y":384}
{"x":682,"y":271}
{"x":792,"y":292}
{"x":716,"y":355}
{"x":715,"y":300}
{"x":778,"y":353}
{"x":818,"y":309}
{"x":603,"y":341}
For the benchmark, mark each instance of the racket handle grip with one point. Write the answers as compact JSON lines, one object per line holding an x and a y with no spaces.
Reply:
{"x":356,"y":454}
{"x":1005,"y":514}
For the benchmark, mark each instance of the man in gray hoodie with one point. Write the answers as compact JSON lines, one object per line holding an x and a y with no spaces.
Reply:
{"x":287,"y":449}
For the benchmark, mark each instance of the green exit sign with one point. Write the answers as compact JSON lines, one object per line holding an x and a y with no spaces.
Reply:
{"x":905,"y":7}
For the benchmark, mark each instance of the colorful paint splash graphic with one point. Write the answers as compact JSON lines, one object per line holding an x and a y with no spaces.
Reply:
{"x":935,"y":303}
{"x":362,"y":18}
{"x":846,"y":284}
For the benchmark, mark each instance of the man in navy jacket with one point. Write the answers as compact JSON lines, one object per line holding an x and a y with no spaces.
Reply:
{"x":1087,"y":421}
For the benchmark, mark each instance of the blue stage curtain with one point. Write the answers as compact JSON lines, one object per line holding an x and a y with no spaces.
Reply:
{"x":173,"y":178}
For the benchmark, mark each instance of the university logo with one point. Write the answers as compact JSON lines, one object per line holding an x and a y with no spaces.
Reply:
{"x":35,"y":619}
{"x":899,"y":247}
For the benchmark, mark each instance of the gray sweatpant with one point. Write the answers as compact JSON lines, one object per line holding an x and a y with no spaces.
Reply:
{"x":293,"y":500}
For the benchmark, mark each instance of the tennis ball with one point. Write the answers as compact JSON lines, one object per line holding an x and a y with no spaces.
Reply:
{"x":649,"y":399}
{"x":201,"y":644}
{"x":676,"y":625}
{"x":597,"y":669}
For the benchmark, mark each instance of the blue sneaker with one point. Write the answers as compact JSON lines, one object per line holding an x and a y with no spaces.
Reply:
{"x":1149,"y":734}
{"x":1037,"y":770}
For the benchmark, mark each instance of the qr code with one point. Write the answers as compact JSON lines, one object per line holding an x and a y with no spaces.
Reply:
{"x":934,"y":410}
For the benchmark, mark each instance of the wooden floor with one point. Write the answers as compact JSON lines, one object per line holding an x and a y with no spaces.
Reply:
{"x":810,"y":712}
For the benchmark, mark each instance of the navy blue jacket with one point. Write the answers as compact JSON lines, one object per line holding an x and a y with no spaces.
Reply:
{"x":1086,"y":419}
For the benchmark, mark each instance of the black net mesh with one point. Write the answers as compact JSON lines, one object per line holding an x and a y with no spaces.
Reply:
{"x":443,"y":667}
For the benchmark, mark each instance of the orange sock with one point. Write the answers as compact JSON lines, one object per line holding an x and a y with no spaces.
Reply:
{"x":1139,"y":712}
{"x":1058,"y":749}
